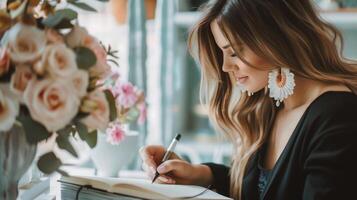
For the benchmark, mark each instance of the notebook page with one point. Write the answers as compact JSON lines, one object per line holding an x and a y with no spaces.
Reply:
{"x":173,"y":191}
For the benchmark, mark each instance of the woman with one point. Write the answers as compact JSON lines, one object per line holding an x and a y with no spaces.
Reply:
{"x":294,"y":126}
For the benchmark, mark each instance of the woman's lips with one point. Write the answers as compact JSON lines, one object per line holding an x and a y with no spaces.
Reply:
{"x":242,"y":79}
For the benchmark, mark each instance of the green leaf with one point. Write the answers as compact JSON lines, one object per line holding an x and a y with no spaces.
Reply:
{"x":63,"y":173}
{"x":112,"y":106}
{"x":92,"y":138}
{"x":80,"y":115}
{"x":66,"y":130}
{"x":35,"y":132}
{"x":65,"y":23}
{"x":133,"y":114}
{"x":52,"y":21}
{"x":82,"y":131}
{"x":67,"y":14}
{"x":83,"y":6}
{"x":59,"y":16}
{"x":85,"y":58}
{"x":64,"y":143}
{"x":49,"y":163}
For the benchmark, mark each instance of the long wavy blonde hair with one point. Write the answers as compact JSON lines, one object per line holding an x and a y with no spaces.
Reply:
{"x":287,"y":34}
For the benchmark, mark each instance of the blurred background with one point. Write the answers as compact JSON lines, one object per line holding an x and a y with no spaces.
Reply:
{"x":151,"y":37}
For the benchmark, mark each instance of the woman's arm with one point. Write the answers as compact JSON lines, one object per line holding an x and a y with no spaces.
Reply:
{"x":221,"y":178}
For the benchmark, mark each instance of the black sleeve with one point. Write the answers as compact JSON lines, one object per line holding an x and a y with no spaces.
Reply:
{"x":220,"y":178}
{"x":330,"y":164}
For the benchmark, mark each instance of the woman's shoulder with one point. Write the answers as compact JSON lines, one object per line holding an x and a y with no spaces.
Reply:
{"x":331,"y":122}
{"x":332,"y":109}
{"x":334,"y":102}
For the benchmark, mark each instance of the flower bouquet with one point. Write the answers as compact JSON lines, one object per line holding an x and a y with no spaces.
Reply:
{"x":55,"y":78}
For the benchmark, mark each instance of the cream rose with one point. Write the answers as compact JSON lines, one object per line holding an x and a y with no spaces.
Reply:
{"x":59,"y":60}
{"x":80,"y":80}
{"x":20,"y":79}
{"x":80,"y":37}
{"x":26,"y":43}
{"x":99,"y":115}
{"x":53,"y":36}
{"x":53,"y":103}
{"x":9,"y":109}
{"x":101,"y":69}
{"x":4,"y":61}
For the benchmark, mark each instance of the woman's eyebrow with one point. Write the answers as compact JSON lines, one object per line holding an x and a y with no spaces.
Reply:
{"x":228,"y":45}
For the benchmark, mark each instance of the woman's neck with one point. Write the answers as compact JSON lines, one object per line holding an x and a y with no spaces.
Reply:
{"x":306,"y":90}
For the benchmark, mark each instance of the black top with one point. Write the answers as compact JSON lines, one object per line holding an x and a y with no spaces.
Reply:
{"x":319,"y":160}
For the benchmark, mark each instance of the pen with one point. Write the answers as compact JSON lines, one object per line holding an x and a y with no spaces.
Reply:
{"x":168,"y":153}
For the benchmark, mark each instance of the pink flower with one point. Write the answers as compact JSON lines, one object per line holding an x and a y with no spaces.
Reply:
{"x":143,"y":113}
{"x":125,"y":94}
{"x":115,"y":134}
{"x":114,"y":76}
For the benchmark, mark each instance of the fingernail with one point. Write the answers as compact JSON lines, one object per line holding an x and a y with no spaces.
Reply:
{"x":163,"y":179}
{"x":161,"y":168}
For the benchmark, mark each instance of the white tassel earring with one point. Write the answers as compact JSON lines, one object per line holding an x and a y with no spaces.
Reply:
{"x":281,"y":84}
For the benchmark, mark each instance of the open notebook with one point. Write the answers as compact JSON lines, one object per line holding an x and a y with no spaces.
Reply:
{"x":142,"y":188}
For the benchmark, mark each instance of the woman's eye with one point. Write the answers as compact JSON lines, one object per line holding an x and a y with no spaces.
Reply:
{"x":239,"y":51}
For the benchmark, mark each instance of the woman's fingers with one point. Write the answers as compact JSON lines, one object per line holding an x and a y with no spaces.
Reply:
{"x":151,"y":157}
{"x":152,"y":152}
{"x":150,"y":171}
{"x":147,"y":157}
{"x":171,"y":165}
{"x":163,"y":179}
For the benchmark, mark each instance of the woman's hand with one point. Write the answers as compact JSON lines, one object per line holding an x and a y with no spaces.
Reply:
{"x":175,"y":170}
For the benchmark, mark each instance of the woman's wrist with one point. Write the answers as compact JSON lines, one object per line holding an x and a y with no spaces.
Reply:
{"x":204,"y":176}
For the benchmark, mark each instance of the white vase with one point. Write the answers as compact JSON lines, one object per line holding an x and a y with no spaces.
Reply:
{"x":109,"y":159}
{"x":16,"y":156}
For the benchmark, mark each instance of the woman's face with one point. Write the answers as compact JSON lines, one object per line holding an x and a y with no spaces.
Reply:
{"x":249,"y":77}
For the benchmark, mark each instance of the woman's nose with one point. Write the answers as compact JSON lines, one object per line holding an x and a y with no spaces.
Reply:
{"x":228,"y":66}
